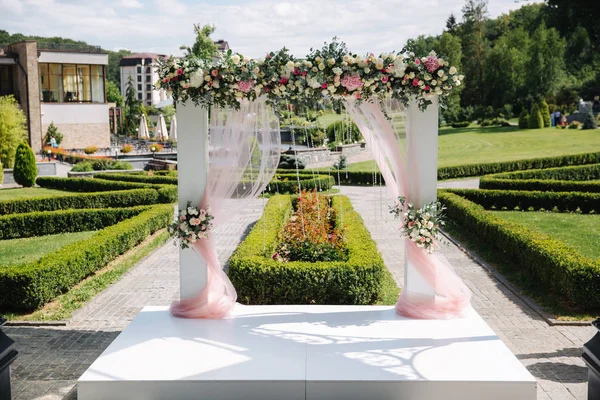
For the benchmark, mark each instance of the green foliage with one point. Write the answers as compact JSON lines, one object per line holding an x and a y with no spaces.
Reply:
{"x":132,"y":109}
{"x":524,"y":119}
{"x":25,"y":170}
{"x":574,"y":125}
{"x":101,"y":164}
{"x":203,"y":47}
{"x":259,"y":279}
{"x":53,"y":131}
{"x":549,"y":264}
{"x":341,"y":164}
{"x":343,"y":132}
{"x":13,"y":129}
{"x":535,"y":120}
{"x":462,"y":124}
{"x":292,"y":183}
{"x":120,"y":198}
{"x":290,"y":162}
{"x":113,"y":93}
{"x":155,"y":179}
{"x":1,"y":173}
{"x":29,"y":286}
{"x":41,"y":223}
{"x":589,"y":122}
{"x":545,"y":111}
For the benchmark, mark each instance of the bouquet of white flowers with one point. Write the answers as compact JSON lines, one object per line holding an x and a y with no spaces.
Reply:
{"x":191,"y":225}
{"x":422,"y":225}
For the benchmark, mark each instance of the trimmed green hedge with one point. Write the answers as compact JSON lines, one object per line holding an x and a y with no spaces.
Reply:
{"x":552,"y":265}
{"x":41,"y":223}
{"x":158,"y":180}
{"x":259,"y":279}
{"x":29,"y":286}
{"x":355,"y":178}
{"x":120,"y":198}
{"x":531,"y":200}
{"x":166,"y":193}
{"x":288,"y":183}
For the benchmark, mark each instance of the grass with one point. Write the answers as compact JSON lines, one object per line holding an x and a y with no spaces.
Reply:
{"x":64,"y":305}
{"x":26,"y":193}
{"x":475,"y":144}
{"x":19,"y":251}
{"x":577,"y":230}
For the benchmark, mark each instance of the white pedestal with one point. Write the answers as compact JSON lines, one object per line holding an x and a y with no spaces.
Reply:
{"x":192,"y":160}
{"x":421,"y":151}
{"x":306,"y":352}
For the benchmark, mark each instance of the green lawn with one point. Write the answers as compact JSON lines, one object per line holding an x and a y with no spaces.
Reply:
{"x":25,"y":193}
{"x":581,"y":231}
{"x":481,"y":145}
{"x":18,"y":251}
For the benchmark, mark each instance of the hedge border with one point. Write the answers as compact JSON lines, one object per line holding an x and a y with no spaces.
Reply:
{"x":557,"y":267}
{"x":29,"y":286}
{"x":259,"y":279}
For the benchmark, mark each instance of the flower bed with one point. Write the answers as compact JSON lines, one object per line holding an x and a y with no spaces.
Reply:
{"x":261,"y":279}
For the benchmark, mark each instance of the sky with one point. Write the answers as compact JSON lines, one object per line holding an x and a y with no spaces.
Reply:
{"x":252,"y":27}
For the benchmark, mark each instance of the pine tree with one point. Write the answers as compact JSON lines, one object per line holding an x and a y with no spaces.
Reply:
{"x":589,"y":122}
{"x":53,"y":131}
{"x":132,"y":109}
{"x":524,"y":120}
{"x":545,"y":112}
{"x":25,"y":170}
{"x":535,"y":118}
{"x":451,"y":23}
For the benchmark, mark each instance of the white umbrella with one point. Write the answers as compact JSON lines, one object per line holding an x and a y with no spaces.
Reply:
{"x":173,"y":129}
{"x":143,"y":131}
{"x":161,"y":133}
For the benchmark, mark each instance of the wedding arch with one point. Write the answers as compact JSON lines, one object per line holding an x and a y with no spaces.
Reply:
{"x":243,"y":95}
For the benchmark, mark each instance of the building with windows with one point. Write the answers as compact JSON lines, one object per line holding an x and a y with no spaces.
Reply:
{"x":60,"y":84}
{"x":140,"y":67}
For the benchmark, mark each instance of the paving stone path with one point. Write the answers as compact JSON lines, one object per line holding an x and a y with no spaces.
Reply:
{"x":51,"y":359}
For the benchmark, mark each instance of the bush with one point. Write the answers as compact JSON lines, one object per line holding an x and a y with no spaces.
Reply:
{"x":13,"y":129}
{"x":290,"y":162}
{"x":545,"y":111}
{"x":535,"y":120}
{"x":463,"y":124}
{"x":121,"y":198}
{"x":343,"y":132}
{"x":29,"y":286}
{"x":156,"y":147}
{"x":90,"y":150}
{"x":574,"y":125}
{"x":553,"y":266}
{"x":25,"y":170}
{"x":532,"y":200}
{"x":53,"y":131}
{"x":101,"y":164}
{"x":288,"y":183}
{"x":126,"y":148}
{"x":41,"y":223}
{"x":259,"y":279}
{"x":159,"y":180}
{"x":589,"y":122}
{"x":342,"y":163}
{"x":524,"y":120}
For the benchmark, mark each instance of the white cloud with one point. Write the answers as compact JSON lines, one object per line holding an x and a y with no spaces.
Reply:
{"x":252,"y":27}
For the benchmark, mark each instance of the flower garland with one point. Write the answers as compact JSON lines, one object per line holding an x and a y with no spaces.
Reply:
{"x":422,"y":225}
{"x":332,"y":71}
{"x":192,"y":225}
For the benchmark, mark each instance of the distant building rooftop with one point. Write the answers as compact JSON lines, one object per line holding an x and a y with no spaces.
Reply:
{"x":222,"y":45}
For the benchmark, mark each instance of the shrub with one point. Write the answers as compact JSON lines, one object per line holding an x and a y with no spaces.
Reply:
{"x":341,"y":164}
{"x":53,"y":131}
{"x":1,"y":173}
{"x":41,"y":223}
{"x":290,"y":162}
{"x":535,"y":118}
{"x":292,"y":183}
{"x":13,"y":129}
{"x":101,"y":164}
{"x":156,"y":147}
{"x":259,"y":279}
{"x":25,"y":170}
{"x":29,"y":286}
{"x":524,"y":120}
{"x":551,"y":265}
{"x":121,"y":198}
{"x":589,"y":122}
{"x":574,"y":125}
{"x":463,"y":124}
{"x":126,"y":148}
{"x":90,"y":150}
{"x":343,"y":132}
{"x":159,"y":180}
{"x":545,"y":111}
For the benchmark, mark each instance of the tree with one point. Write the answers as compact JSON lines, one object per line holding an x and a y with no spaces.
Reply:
{"x":545,"y":111}
{"x":589,"y":122}
{"x":473,"y":47}
{"x":545,"y":70}
{"x":25,"y":170}
{"x":203,"y":47}
{"x":113,"y":93}
{"x":13,"y":129}
{"x":113,"y":70}
{"x":524,"y":120}
{"x":451,"y":23}
{"x":53,"y":131}
{"x":535,"y":117}
{"x":132,"y":109}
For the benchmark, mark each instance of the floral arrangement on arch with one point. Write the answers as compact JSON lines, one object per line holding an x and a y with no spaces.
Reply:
{"x":332,"y":71}
{"x":191,"y":225}
{"x":421,"y":225}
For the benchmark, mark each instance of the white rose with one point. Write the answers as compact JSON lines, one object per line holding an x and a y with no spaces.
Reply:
{"x":379,"y":65}
{"x":321,"y":66}
{"x":367,"y":70}
{"x":457,"y":83}
{"x":256,"y":70}
{"x":440,"y":73}
{"x":433,"y":82}
{"x":445,"y":78}
{"x":235,"y":59}
{"x":399,"y":68}
{"x":197,"y":78}
{"x":315,"y":69}
{"x":290,"y":65}
{"x":461,"y":77}
{"x":411,"y":75}
{"x":452,"y":70}
{"x":318,"y":59}
{"x":337,"y":71}
{"x":331,"y":61}
{"x":215,"y":84}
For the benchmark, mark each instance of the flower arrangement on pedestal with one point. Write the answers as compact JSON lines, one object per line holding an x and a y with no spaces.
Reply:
{"x":332,"y":71}
{"x":421,"y":225}
{"x":191,"y":225}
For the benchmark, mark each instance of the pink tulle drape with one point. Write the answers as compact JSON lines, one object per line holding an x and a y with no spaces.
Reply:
{"x":452,"y":296}
{"x":244,"y":153}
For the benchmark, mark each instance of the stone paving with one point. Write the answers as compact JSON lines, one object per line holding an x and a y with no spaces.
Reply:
{"x":51,"y":359}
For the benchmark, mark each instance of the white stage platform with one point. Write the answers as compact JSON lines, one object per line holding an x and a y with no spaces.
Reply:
{"x":306,"y":352}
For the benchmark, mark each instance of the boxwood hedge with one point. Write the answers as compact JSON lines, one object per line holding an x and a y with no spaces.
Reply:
{"x":550,"y":264}
{"x":40,"y":223}
{"x":288,"y":183}
{"x":31,"y":285}
{"x":154,"y":179}
{"x":259,"y":279}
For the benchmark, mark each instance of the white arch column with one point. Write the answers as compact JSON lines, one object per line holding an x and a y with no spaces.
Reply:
{"x":192,"y":171}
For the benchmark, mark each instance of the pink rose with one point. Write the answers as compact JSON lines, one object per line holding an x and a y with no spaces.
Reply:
{"x":180,"y":71}
{"x":384,"y":79}
{"x":166,"y":79}
{"x":183,"y":218}
{"x":417,"y":61}
{"x":431,"y":63}
{"x":422,"y":239}
{"x":415,"y":82}
{"x":324,"y":85}
{"x":427,"y":88}
{"x":215,"y":72}
{"x":283,"y":80}
{"x":296,"y":72}
{"x":245,"y":86}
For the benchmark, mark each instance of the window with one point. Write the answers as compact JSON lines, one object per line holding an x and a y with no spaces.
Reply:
{"x":148,"y":70}
{"x":139,"y":96}
{"x":148,"y":78}
{"x":66,"y":83}
{"x":139,"y":87}
{"x":139,"y":78}
{"x":139,"y":69}
{"x":148,"y":96}
{"x":148,"y":87}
